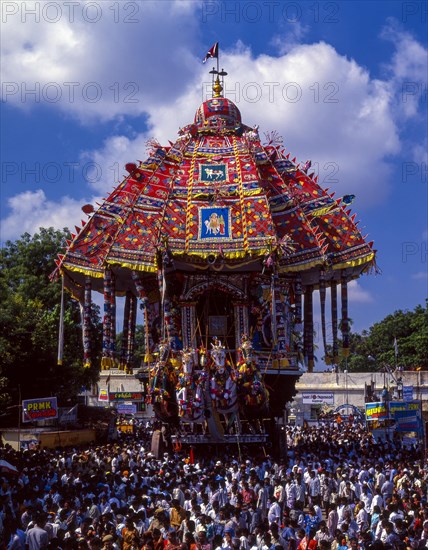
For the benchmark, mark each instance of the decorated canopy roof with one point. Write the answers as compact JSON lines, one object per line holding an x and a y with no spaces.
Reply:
{"x":219,"y":199}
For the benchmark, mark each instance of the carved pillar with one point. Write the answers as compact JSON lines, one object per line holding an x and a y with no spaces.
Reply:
{"x":86,"y":323}
{"x":281,"y":329}
{"x":240,"y":310}
{"x":188,"y":324}
{"x":297,"y":347}
{"x":142,"y":296}
{"x":109,"y":321}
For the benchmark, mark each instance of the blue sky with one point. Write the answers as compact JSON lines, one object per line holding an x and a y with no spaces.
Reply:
{"x":86,"y":84}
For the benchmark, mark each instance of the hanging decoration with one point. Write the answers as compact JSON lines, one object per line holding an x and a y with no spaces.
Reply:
{"x":113,"y":320}
{"x":309,"y":328}
{"x":131,"y":333}
{"x":323,"y":325}
{"x":125,"y":333}
{"x":123,"y":364}
{"x":335,"y":348}
{"x":274,"y":319}
{"x":86,"y":332}
{"x":107,"y":356}
{"x":298,"y":301}
{"x":344,"y":326}
{"x":142,"y":296}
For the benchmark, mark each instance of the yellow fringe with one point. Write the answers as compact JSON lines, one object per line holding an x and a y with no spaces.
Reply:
{"x":88,"y":272}
{"x":319,"y":261}
{"x":353,"y":263}
{"x":300,"y":267}
{"x":228,"y":255}
{"x":136,"y":267}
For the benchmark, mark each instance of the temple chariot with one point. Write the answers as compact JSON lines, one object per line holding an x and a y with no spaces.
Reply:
{"x":221,"y":239}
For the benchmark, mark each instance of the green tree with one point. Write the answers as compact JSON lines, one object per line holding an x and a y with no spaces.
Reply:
{"x":139,"y":346}
{"x":374,"y":349}
{"x":29,"y":323}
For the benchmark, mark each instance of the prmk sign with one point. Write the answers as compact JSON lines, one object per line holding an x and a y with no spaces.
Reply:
{"x":39,"y":409}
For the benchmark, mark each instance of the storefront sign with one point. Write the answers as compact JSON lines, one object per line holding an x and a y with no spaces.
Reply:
{"x":116,"y":396}
{"x":317,"y":398}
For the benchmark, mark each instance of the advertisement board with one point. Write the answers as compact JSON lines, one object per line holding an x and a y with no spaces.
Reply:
{"x":376,"y":411}
{"x":39,"y":409}
{"x":401,"y":416}
{"x":408,"y":393}
{"x":126,"y":408}
{"x":103,"y":396}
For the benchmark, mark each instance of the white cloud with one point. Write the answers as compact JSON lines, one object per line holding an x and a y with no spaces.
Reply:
{"x":409,"y":61}
{"x":408,"y":69}
{"x":341,"y":119}
{"x":31,"y":210}
{"x":420,"y":154}
{"x":357,"y":294}
{"x":97,"y":59}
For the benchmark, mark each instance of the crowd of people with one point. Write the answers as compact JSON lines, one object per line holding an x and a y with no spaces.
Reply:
{"x":338,"y":488}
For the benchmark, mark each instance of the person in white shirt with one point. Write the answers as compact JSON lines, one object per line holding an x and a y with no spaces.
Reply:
{"x":37,"y":536}
{"x":274,"y":512}
{"x":262,"y":498}
{"x":362,"y":518}
{"x":377,"y":500}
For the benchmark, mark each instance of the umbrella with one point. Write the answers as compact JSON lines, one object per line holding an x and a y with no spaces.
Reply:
{"x":6,"y":467}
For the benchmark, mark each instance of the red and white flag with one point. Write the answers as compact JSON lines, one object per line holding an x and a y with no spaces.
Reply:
{"x":212,"y":52}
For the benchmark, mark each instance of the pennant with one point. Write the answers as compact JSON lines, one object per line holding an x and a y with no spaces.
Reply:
{"x":212,"y":52}
{"x":348,"y":199}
